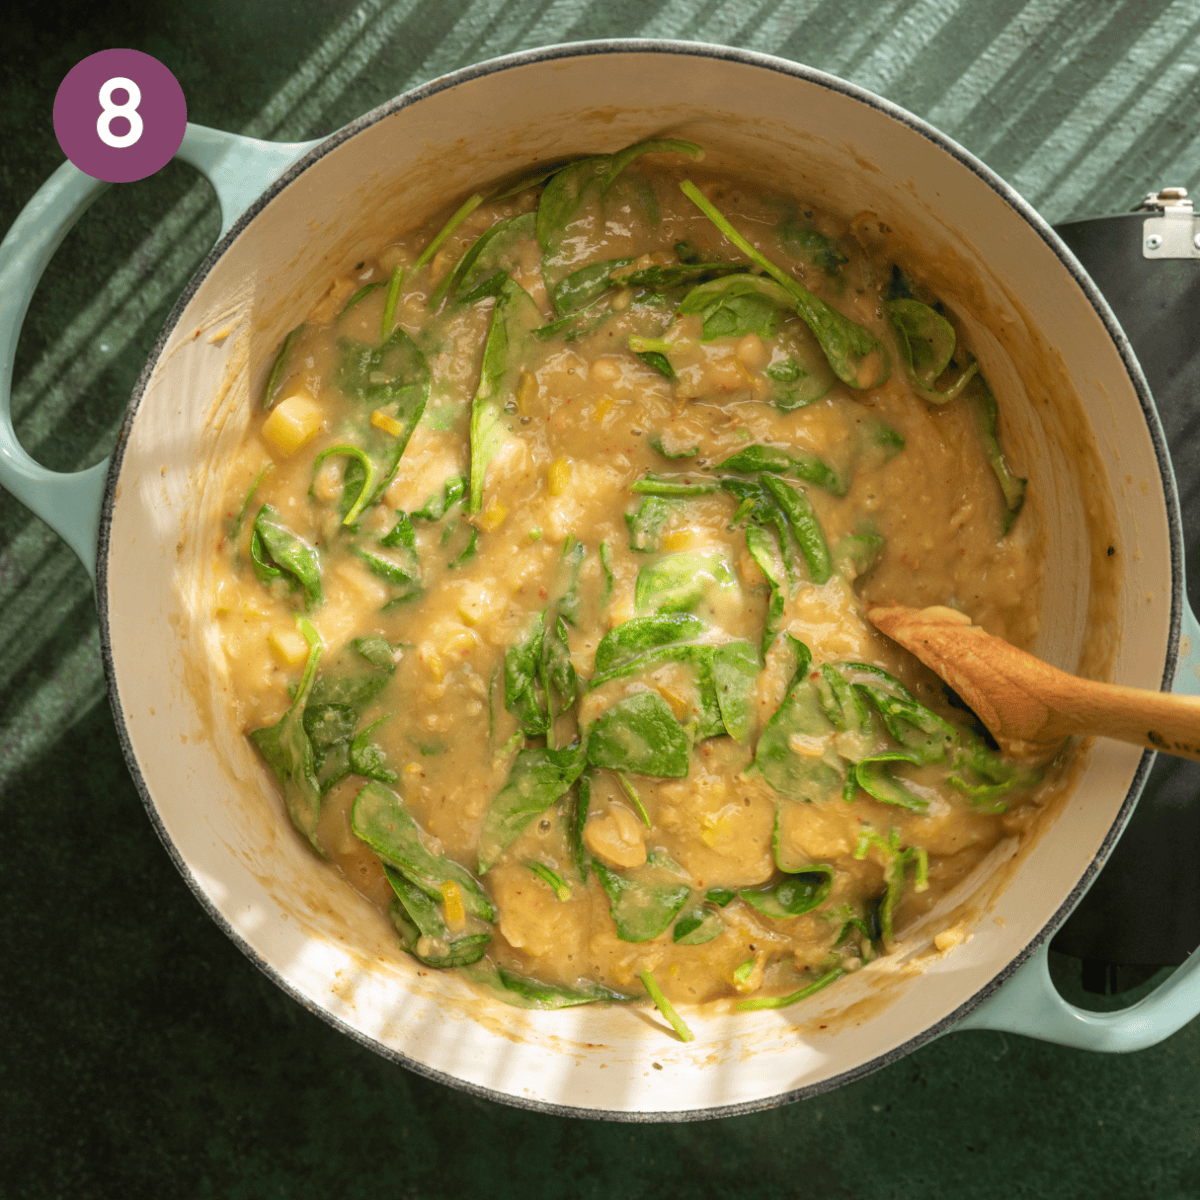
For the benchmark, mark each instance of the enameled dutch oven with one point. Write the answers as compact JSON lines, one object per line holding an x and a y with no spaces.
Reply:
{"x":295,"y":216}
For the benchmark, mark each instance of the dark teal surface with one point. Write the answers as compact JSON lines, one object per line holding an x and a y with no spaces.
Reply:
{"x":142,"y":1054}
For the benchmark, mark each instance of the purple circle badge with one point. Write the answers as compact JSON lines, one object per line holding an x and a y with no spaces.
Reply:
{"x":119,"y":115}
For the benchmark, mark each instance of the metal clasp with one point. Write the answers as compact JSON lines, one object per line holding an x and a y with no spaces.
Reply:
{"x":1175,"y":232}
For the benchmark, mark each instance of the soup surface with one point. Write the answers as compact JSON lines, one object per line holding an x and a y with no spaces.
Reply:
{"x":544,"y":577}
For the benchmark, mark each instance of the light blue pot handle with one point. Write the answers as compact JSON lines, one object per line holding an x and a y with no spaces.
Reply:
{"x":1029,"y":1004}
{"x":239,"y":168}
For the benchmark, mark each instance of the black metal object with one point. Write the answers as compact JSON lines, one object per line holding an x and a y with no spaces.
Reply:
{"x":1143,"y":911}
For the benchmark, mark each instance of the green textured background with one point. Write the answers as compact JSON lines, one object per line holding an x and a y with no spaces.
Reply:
{"x":140,"y":1053}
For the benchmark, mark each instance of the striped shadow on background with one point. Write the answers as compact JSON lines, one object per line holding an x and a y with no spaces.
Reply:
{"x":1082,"y":104}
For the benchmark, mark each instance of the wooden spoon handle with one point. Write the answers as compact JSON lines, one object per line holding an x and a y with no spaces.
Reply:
{"x":1029,"y":706}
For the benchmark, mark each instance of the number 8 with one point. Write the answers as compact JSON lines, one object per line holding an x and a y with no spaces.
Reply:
{"x":128,"y":110}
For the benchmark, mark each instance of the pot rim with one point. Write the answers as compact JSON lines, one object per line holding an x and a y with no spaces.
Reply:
{"x":699,"y":50}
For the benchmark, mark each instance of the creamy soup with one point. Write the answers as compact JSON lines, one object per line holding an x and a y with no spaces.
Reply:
{"x":544,"y":578}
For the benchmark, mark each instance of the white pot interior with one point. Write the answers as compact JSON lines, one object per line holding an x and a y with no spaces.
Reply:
{"x":1050,"y":357}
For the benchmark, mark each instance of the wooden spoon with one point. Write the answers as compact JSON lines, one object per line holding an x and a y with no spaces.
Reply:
{"x":1031,"y":707}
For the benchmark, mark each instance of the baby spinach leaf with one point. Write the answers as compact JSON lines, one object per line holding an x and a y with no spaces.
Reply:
{"x":576,"y":819}
{"x":401,"y":534}
{"x":576,"y":324}
{"x":666,"y":279}
{"x":776,"y":461}
{"x":467,"y":552}
{"x":665,"y":485}
{"x":377,"y":650}
{"x":567,"y":582}
{"x":735,"y":668}
{"x":878,"y":442}
{"x":634,"y":193}
{"x":792,"y":393}
{"x":552,"y":879}
{"x":604,"y":550}
{"x":856,"y":553}
{"x":680,"y":582}
{"x":798,"y":370}
{"x":856,"y":355}
{"x":896,"y":861}
{"x":842,"y":705}
{"x":920,"y":731}
{"x":392,"y":379}
{"x":288,"y":751}
{"x":766,"y":556}
{"x":721,"y":897}
{"x":866,"y":928}
{"x":656,"y":441}
{"x":654,"y":353}
{"x":422,"y":931}
{"x":330,"y":727}
{"x":876,"y":779}
{"x":794,"y":896}
{"x":277,"y":553}
{"x":538,"y":777}
{"x":697,"y":925}
{"x":621,"y":650}
{"x":985,"y":412}
{"x":582,"y":287}
{"x":440,"y":503}
{"x":400,"y":571}
{"x":359,"y":296}
{"x":379,"y":818}
{"x":420,"y":908}
{"x":522,"y":664}
{"x":460,"y":214}
{"x":791,"y":772}
{"x":355,"y":495}
{"x":644,"y":901}
{"x":458,"y":952}
{"x":278,"y":372}
{"x":780,"y":845}
{"x":395,"y":372}
{"x":639,"y":734}
{"x":532,"y":179}
{"x":646,"y":524}
{"x":523,"y":992}
{"x":759,"y":508}
{"x":737,"y":306}
{"x":560,"y":671}
{"x":761,"y":1002}
{"x":514,"y":318}
{"x":581,"y":183}
{"x":804,"y":242}
{"x":805,"y":527}
{"x":984,"y":777}
{"x":390,"y":302}
{"x":634,"y":798}
{"x":356,"y":689}
{"x":983,"y":797}
{"x":368,"y":759}
{"x":641,"y":636}
{"x":786,"y":371}
{"x":235,"y":526}
{"x":926,"y":340}
{"x":491,"y":259}
{"x":872,"y":676}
